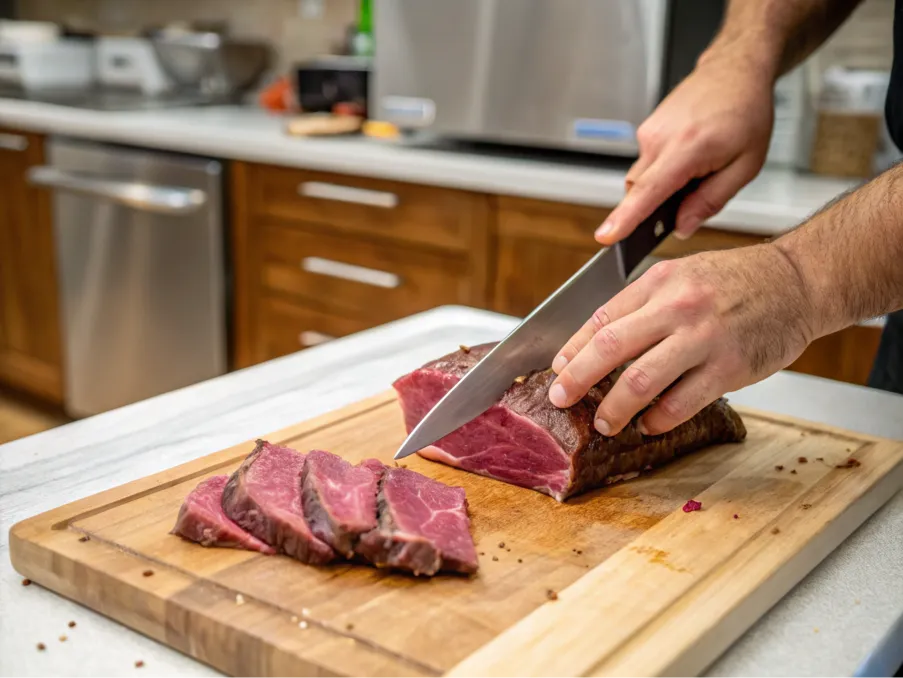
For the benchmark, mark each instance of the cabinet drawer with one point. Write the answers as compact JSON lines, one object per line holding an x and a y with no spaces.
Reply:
{"x":426,"y":215}
{"x":345,"y":276}
{"x":286,"y":328}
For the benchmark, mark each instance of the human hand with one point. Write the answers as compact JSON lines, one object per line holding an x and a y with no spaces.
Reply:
{"x":717,"y":122}
{"x":717,"y":321}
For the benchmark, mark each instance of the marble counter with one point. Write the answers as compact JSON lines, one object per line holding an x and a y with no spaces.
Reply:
{"x":854,"y":597}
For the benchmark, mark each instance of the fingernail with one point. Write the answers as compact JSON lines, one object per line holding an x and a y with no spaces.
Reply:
{"x":641,"y":427}
{"x":558,"y":395}
{"x":680,"y":235}
{"x":607,"y":227}
{"x":559,"y":363}
{"x":602,"y":426}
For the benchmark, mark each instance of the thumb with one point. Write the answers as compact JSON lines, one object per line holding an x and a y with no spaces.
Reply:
{"x":712,"y":195}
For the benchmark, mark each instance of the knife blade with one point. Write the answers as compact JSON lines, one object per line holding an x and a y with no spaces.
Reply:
{"x":535,"y":342}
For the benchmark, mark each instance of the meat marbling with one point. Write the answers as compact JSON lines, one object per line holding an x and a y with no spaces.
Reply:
{"x":339,"y":499}
{"x":264,"y":497}
{"x":525,"y":440}
{"x":201,"y":519}
{"x":423,"y":526}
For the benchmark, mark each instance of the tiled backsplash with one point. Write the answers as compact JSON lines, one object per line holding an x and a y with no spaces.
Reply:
{"x":297,"y":33}
{"x":295,"y":28}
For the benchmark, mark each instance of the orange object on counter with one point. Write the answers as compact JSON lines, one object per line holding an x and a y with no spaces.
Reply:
{"x":278,"y":96}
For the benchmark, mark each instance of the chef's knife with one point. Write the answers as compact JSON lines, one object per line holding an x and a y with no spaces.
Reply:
{"x":534,"y":343}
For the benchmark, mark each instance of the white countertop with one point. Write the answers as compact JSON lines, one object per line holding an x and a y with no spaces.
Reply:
{"x":775,"y":201}
{"x":854,"y":597}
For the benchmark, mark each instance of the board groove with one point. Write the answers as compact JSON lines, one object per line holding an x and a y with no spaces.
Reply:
{"x":628,"y":543}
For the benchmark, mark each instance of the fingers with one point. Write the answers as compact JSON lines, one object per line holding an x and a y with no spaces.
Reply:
{"x":610,"y":347}
{"x":713,"y":194}
{"x":625,"y":302}
{"x":647,"y":377}
{"x":698,"y":388}
{"x":669,"y":173}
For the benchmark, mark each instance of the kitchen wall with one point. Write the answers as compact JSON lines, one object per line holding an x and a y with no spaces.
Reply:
{"x":298,"y":29}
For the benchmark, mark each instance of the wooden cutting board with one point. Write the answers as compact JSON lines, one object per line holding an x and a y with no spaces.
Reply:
{"x":617,"y":581}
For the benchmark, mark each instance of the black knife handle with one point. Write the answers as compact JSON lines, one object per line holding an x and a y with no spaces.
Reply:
{"x":652,"y":231}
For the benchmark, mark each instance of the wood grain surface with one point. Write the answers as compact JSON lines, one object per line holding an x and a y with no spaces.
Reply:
{"x":616,"y":581}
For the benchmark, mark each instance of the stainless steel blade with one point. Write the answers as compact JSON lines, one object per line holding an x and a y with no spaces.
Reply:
{"x":530,"y":346}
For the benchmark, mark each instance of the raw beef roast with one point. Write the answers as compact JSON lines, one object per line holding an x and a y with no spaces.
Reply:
{"x":264,"y":497}
{"x":203,"y":520}
{"x":527,"y":441}
{"x":423,"y":526}
{"x":339,"y":499}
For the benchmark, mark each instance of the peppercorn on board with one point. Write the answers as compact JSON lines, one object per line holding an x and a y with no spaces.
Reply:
{"x":619,"y":580}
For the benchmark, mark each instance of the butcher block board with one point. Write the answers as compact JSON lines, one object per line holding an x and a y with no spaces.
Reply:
{"x":616,"y":581}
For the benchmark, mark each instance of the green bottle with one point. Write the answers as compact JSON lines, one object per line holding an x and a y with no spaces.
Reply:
{"x":363,"y":39}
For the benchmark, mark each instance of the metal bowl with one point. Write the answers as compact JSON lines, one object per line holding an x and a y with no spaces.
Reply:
{"x":211,"y":62}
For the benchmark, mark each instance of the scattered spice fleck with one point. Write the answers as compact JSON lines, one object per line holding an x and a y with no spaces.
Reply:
{"x":239,"y":599}
{"x":402,"y":466}
{"x":482,"y":553}
{"x":139,"y":664}
{"x":850,"y":463}
{"x":349,"y":627}
{"x":84,"y":538}
{"x":72,"y":625}
{"x":736,"y":516}
{"x":64,"y":638}
{"x":819,"y":459}
{"x":692,"y":505}
{"x":815,"y":629}
{"x":806,"y":507}
{"x":779,"y":467}
{"x":302,"y":625}
{"x":294,"y":619}
{"x":551,"y":595}
{"x":849,"y":449}
{"x":501,"y":544}
{"x":775,"y":530}
{"x":26,"y":582}
{"x":521,"y":379}
{"x":495,"y":558}
{"x":802,"y":460}
{"x":520,"y":560}
{"x":147,"y":573}
{"x":465,"y":349}
{"x":41,"y":647}
{"x":793,"y":471}
{"x":579,"y":552}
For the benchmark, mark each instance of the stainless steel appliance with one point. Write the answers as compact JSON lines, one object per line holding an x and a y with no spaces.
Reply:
{"x":573,"y":74}
{"x":139,"y":238}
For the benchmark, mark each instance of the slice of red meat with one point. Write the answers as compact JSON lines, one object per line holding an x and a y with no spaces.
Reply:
{"x":264,"y":497}
{"x":339,"y":499}
{"x":525,"y":440}
{"x":202,"y":519}
{"x":423,"y":526}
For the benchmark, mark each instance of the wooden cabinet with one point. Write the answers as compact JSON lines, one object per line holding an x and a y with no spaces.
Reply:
{"x":320,"y":255}
{"x":30,"y":346}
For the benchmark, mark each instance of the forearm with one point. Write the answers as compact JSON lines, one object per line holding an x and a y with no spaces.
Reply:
{"x":849,"y":256}
{"x":773,"y":36}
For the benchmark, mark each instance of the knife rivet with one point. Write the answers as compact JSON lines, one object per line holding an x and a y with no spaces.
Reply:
{"x":659,"y":229}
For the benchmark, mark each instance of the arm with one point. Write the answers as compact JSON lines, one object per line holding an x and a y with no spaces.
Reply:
{"x":717,"y":123}
{"x":719,"y":321}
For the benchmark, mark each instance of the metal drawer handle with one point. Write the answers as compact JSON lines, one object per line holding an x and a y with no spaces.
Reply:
{"x":360,"y":196}
{"x":134,"y":194}
{"x":360,"y":274}
{"x":13,"y":142}
{"x":310,"y":338}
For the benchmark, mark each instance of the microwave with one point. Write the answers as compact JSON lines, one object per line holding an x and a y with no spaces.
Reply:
{"x":562,"y":74}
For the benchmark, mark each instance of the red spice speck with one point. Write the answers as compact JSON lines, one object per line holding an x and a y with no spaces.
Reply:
{"x":41,"y":647}
{"x":736,"y":516}
{"x":147,"y":573}
{"x":551,"y":595}
{"x":692,"y":505}
{"x":26,"y":582}
{"x":850,"y":463}
{"x":775,"y":530}
{"x":802,"y":460}
{"x":501,"y":544}
{"x":84,"y":538}
{"x":72,"y":625}
{"x":139,"y":664}
{"x":520,"y":560}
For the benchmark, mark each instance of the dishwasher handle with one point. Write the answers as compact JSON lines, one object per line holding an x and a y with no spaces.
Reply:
{"x":138,"y":195}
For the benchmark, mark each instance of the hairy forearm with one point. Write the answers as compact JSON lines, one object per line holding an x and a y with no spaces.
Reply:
{"x":773,"y":36}
{"x":849,"y":256}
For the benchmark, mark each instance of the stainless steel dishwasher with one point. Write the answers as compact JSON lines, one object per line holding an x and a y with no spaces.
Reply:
{"x":141,"y":267}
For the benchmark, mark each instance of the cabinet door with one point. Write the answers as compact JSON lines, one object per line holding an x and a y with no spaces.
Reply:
{"x":30,"y":354}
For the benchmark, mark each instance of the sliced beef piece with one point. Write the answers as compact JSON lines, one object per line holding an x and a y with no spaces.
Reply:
{"x":527,"y":441}
{"x":423,"y":526}
{"x":264,"y":497}
{"x":339,"y":499}
{"x":202,"y":519}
